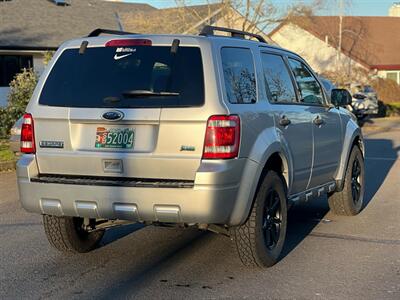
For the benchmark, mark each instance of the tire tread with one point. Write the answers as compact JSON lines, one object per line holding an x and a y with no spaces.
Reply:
{"x":341,"y":203}
{"x":245,"y":236}
{"x":62,"y":236}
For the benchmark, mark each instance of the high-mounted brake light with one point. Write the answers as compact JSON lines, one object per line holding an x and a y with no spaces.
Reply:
{"x":222,"y":137}
{"x":28,"y":135}
{"x":128,"y":42}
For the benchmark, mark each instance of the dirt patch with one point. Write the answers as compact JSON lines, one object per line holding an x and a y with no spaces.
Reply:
{"x":7,"y":165}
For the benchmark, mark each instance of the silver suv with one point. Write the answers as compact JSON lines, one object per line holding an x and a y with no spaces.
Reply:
{"x":219,"y":132}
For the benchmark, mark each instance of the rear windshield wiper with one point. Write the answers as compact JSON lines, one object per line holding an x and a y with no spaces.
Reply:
{"x":147,"y":93}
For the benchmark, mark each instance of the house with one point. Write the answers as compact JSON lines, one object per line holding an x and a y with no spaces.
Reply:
{"x":191,"y":19}
{"x":394,"y":10}
{"x":370,"y":44}
{"x":28,"y":29}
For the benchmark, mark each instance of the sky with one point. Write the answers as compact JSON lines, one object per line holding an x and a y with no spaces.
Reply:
{"x":353,"y":7}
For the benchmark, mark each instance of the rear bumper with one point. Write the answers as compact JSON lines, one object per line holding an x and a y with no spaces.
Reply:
{"x":211,"y":199}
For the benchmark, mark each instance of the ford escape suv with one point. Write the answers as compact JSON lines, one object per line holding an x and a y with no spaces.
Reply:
{"x":223,"y":132}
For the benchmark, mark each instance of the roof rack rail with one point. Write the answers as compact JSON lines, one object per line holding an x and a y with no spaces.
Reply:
{"x":209,"y":31}
{"x":99,"y":31}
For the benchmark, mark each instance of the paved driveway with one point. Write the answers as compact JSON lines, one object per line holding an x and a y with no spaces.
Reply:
{"x":327,"y":257}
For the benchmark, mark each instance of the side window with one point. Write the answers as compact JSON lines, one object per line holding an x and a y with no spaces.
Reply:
{"x":239,"y":75}
{"x":278,"y":83}
{"x":310,"y":90}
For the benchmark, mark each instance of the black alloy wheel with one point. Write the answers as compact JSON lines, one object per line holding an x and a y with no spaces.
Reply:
{"x":355,"y":181}
{"x":272,"y":219}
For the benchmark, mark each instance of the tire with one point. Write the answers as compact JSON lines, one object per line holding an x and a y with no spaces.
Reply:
{"x":260,"y":240}
{"x":349,"y":201}
{"x":66,"y":234}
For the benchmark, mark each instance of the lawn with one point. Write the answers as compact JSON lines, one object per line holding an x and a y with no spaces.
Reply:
{"x":5,"y":153}
{"x":393,"y":108}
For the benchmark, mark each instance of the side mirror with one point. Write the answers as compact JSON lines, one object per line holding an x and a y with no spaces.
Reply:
{"x":340,"y":97}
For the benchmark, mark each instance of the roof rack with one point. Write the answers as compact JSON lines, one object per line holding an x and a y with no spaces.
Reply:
{"x":209,"y":31}
{"x":99,"y":31}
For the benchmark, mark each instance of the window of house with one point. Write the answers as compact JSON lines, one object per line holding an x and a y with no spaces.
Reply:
{"x":310,"y":90}
{"x":10,"y":65}
{"x":392,"y":76}
{"x":278,"y":84}
{"x":239,"y":75}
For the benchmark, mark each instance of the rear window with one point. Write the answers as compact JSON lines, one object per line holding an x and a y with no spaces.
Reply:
{"x":139,"y":76}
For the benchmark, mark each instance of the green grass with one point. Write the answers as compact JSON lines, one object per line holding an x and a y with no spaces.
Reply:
{"x":395,"y":104}
{"x":5,"y":153}
{"x":393,"y":109}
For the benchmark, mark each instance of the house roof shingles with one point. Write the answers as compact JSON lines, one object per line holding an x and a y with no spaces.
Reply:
{"x":43,"y":24}
{"x":372,"y":41}
{"x":169,"y":20}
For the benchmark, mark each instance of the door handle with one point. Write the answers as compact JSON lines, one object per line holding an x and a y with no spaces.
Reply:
{"x":284,"y":121}
{"x":318,"y":121}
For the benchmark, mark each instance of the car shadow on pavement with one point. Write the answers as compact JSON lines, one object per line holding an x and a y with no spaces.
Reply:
{"x":304,"y":217}
{"x":163,"y":246}
{"x":115,"y":233}
{"x":380,"y":157}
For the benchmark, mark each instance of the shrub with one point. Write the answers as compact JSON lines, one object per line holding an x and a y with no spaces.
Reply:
{"x":22,"y":88}
{"x":48,"y":55}
{"x":388,"y":90}
{"x":393,"y":109}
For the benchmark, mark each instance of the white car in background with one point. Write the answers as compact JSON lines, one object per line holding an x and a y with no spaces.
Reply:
{"x":365,"y":99}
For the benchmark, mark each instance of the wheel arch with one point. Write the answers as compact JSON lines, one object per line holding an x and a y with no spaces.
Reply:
{"x":277,"y":162}
{"x":353,"y":137}
{"x":275,"y":159}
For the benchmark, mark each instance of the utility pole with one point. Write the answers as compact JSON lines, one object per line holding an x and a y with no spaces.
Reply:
{"x":341,"y":13}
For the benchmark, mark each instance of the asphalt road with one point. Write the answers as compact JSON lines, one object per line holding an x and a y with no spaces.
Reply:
{"x":326,"y":257}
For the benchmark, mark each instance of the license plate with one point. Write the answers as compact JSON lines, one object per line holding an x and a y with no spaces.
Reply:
{"x":114,"y":138}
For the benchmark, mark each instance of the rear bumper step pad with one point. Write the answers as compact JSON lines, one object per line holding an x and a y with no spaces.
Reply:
{"x":112,"y":181}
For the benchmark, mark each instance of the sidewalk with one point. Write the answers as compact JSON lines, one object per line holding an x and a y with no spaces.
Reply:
{"x":381,"y":125}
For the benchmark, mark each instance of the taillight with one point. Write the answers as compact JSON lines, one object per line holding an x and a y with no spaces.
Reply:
{"x":128,"y":42}
{"x":222,"y":137}
{"x":27,"y":135}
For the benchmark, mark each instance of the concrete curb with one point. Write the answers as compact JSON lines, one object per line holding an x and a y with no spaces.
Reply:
{"x":7,"y":165}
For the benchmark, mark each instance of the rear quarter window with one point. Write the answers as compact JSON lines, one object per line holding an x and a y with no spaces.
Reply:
{"x":102,"y":76}
{"x":239,"y":75}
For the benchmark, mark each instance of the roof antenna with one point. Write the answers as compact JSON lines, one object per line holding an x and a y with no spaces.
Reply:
{"x":83,"y":47}
{"x":175,"y":46}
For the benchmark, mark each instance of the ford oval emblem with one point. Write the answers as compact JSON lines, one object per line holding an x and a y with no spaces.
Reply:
{"x":114,"y":115}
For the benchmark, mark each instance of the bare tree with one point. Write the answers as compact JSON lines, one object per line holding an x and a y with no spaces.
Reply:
{"x":356,"y":48}
{"x":256,"y":16}
{"x":259,"y":16}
